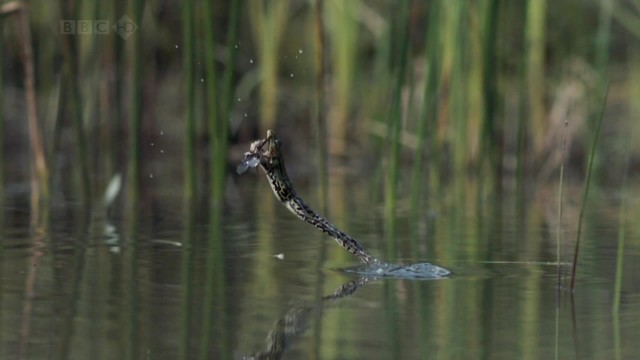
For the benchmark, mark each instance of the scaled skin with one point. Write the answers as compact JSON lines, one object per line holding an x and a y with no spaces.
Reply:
{"x":272,"y":163}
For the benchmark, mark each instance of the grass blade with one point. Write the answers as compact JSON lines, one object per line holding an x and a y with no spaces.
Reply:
{"x":585,"y":194}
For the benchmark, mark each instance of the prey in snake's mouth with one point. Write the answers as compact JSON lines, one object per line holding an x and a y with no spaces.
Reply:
{"x":265,"y":152}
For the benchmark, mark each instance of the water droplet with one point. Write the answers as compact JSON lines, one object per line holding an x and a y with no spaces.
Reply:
{"x":300,"y":51}
{"x":151,"y":176}
{"x":161,"y":151}
{"x":151,"y":144}
{"x":239,"y":99}
{"x":176,"y":46}
{"x":161,"y":132}
{"x":236,"y":46}
{"x":250,"y":61}
{"x":279,"y":256}
{"x":245,"y":114}
{"x":291,"y":75}
{"x":201,"y":79}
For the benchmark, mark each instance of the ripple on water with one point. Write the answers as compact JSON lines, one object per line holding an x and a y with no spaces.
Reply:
{"x":418,"y":271}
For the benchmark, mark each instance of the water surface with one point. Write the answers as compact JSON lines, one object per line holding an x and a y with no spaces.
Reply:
{"x":266,"y":285}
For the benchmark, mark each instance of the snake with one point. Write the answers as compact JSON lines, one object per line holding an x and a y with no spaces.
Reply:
{"x":268,"y":154}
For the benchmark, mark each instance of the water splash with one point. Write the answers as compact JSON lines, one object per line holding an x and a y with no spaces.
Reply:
{"x":416,"y":271}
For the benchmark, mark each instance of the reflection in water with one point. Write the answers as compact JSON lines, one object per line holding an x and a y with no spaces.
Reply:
{"x":89,"y":299}
{"x":295,"y":322}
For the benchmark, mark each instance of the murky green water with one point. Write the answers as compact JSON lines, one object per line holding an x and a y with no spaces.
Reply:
{"x":116,"y":287}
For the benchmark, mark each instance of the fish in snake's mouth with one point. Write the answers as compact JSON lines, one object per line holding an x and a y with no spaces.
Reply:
{"x":258,"y":155}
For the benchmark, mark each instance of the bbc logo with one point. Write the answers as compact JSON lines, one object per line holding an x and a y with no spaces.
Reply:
{"x":125,"y":27}
{"x":84,"y":27}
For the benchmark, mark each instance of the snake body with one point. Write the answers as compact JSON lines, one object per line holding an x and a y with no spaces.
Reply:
{"x":272,"y":163}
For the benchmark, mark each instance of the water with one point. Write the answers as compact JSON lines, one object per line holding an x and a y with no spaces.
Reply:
{"x":419,"y":271}
{"x":135,"y":287}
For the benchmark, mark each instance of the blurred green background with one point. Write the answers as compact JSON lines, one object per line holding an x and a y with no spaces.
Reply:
{"x":449,"y":131}
{"x":481,"y":88}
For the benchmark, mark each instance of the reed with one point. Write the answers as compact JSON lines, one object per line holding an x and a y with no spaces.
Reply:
{"x":189,"y":144}
{"x":215,"y":291}
{"x":131,"y":333}
{"x":187,"y":281}
{"x":560,"y":197}
{"x":624,"y":188}
{"x":217,"y":134}
{"x":71,"y":54}
{"x":320,"y":128}
{"x":343,"y":29}
{"x":268,"y":20}
{"x":491,"y":128}
{"x":585,"y":194}
{"x":118,"y":128}
{"x":319,"y":118}
{"x":624,"y":216}
{"x":622,"y":222}
{"x":40,"y":171}
{"x":215,"y":303}
{"x":454,"y":54}
{"x":535,"y":44}
{"x":135,"y":51}
{"x":216,"y":201}
{"x":428,"y":119}
{"x":603,"y":37}
{"x":398,"y":69}
{"x":2,"y":108}
{"x":232,"y":53}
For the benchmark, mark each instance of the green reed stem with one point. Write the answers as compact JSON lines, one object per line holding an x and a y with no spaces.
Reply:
{"x":40,"y":170}
{"x":617,"y":289}
{"x":269,"y":19}
{"x":118,"y":128}
{"x":321,"y":155}
{"x":559,"y":228}
{"x":585,"y":194}
{"x":218,"y":111}
{"x":320,"y":124}
{"x":343,"y":29}
{"x":186,"y":272}
{"x":603,"y":36}
{"x":430,"y":106}
{"x":188,"y":56}
{"x":216,"y":165}
{"x":535,"y":40}
{"x":622,"y":222}
{"x":71,"y":73}
{"x":490,"y":130}
{"x":215,"y":125}
{"x":135,"y":115}
{"x":394,"y":122}
{"x":227,"y":86}
{"x":454,"y":44}
{"x":1,"y":132}
{"x":132,"y":297}
{"x":2,"y":201}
